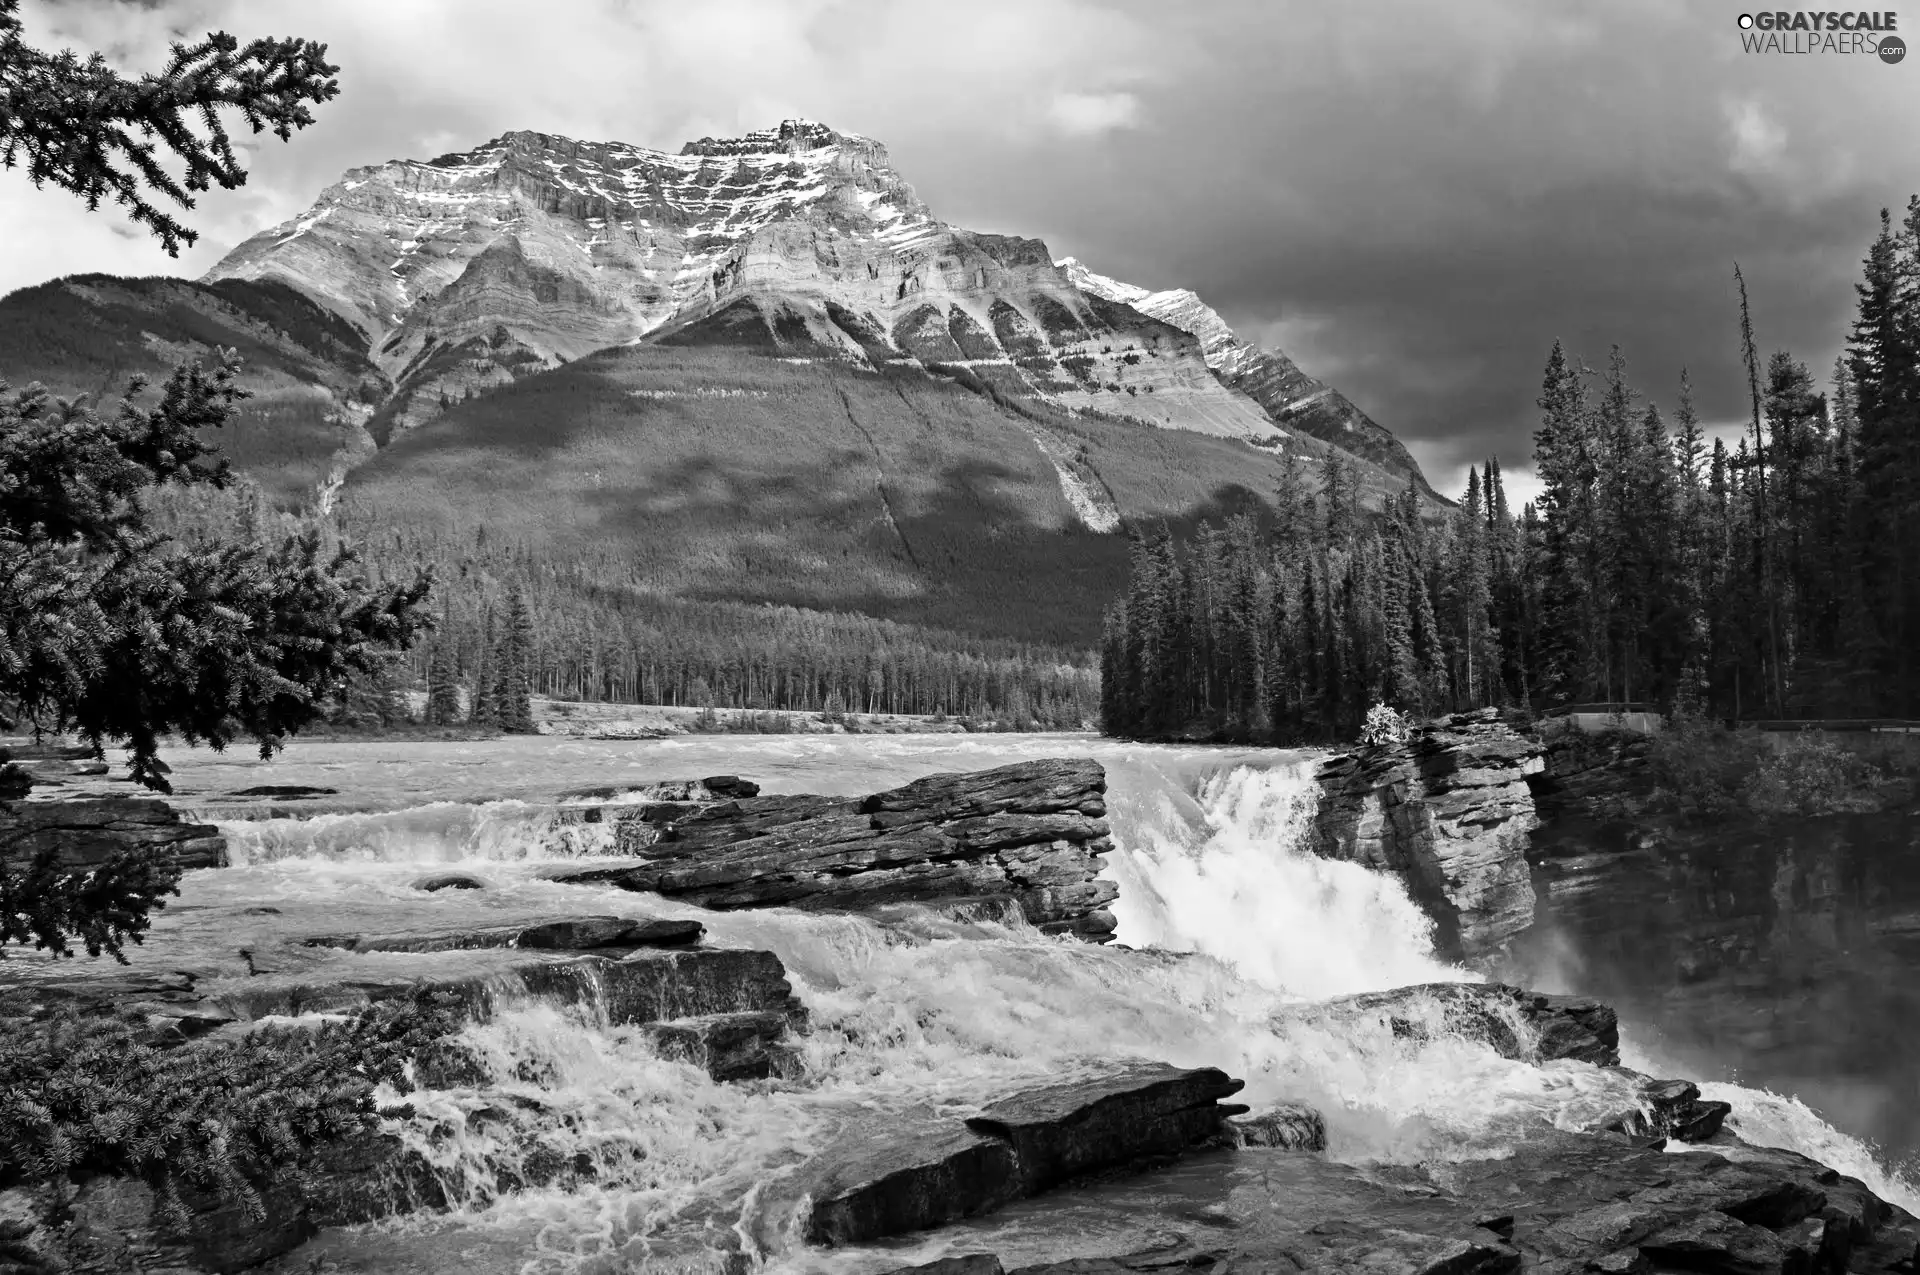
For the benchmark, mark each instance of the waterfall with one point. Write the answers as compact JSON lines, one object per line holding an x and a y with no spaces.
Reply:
{"x":1227,"y":871}
{"x":1228,"y":924}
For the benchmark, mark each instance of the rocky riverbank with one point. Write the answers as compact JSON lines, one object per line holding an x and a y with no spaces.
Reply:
{"x":1448,"y":811}
{"x":1127,"y":1163}
{"x":1026,"y":837}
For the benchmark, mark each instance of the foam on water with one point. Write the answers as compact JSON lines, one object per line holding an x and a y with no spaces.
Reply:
{"x":1231,"y":928}
{"x":1225,"y":871}
{"x":440,"y":832}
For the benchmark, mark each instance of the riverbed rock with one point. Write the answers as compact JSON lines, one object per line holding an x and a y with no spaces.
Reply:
{"x":1032,"y":833}
{"x":84,"y":833}
{"x":1448,"y":811}
{"x":1561,"y":1203}
{"x":740,"y":1046}
{"x":1519,"y":1024}
{"x":451,"y":881}
{"x":565,"y":933}
{"x":1287,"y":1126}
{"x":1668,"y":1109}
{"x":900,"y":1174}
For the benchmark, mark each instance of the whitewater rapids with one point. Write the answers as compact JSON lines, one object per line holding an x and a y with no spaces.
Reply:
{"x":1225,"y":919}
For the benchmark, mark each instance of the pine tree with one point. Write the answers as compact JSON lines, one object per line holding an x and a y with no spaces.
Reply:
{"x":1565,"y":464}
{"x":443,"y":683}
{"x":483,"y":708}
{"x":512,"y":685}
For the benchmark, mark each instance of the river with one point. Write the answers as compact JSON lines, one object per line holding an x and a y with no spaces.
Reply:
{"x":1208,"y":861}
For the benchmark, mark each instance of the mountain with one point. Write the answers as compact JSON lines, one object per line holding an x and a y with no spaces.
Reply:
{"x":759,"y":370}
{"x":1289,"y":396}
{"x":473,"y":269}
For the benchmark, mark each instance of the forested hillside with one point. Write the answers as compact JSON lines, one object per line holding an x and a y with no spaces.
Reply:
{"x":1775,"y":578}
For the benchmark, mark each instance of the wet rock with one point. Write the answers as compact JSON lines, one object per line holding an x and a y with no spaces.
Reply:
{"x":1718,"y":1243}
{"x":571,"y":933}
{"x":906,"y":1174}
{"x":451,"y":881}
{"x":83,"y":833}
{"x":971,"y":1264}
{"x":746,"y":1046}
{"x":288,"y":792}
{"x":900,"y":1174}
{"x":1669,"y":1109}
{"x":731,"y":786}
{"x":1031,"y":833}
{"x":1519,"y":1024}
{"x":1291,"y":1126}
{"x":1448,"y":811}
{"x":576,"y":933}
{"x":1561,"y":1203}
{"x":1144,"y":1110}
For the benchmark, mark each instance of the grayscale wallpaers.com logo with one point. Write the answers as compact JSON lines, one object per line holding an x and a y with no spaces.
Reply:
{"x":1829,"y":32}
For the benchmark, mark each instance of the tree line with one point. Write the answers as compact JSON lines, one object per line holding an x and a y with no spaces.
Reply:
{"x":1776,"y":578}
{"x":511,"y":623}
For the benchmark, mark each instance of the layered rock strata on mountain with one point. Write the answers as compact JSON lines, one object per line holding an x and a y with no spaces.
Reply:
{"x":1449,"y":812}
{"x":905,"y":1174}
{"x":479,"y":267}
{"x":1291,"y":398}
{"x":1030,"y":834}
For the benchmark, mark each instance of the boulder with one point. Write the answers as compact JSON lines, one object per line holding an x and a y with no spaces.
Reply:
{"x":84,"y":833}
{"x":1290,"y":1126}
{"x":1669,"y":1109}
{"x":566,"y":933}
{"x":451,"y":881}
{"x":902,"y":1173}
{"x":1030,"y":833}
{"x":970,"y":1264}
{"x":739,"y":1046}
{"x":1518,"y":1024}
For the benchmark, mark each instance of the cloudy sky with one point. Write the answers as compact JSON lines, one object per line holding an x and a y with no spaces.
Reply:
{"x":1412,"y":199}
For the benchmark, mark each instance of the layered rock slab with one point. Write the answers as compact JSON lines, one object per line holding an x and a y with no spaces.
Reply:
{"x":903,"y":1174}
{"x":1031,"y":833}
{"x":81,"y":834}
{"x":1561,"y":1204}
{"x":1449,"y":812}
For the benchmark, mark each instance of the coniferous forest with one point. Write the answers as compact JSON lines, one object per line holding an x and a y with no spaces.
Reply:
{"x":511,"y":623}
{"x":1776,"y":578}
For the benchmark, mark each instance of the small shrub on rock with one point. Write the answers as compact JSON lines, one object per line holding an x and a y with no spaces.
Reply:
{"x":1812,"y":776}
{"x":1385,"y":725}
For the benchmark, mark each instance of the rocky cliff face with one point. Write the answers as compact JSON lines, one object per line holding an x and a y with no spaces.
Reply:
{"x":1449,"y":810}
{"x":474,"y":268}
{"x":1290,"y":397}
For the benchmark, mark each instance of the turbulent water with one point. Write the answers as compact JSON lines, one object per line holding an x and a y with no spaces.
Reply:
{"x":1225,"y":922}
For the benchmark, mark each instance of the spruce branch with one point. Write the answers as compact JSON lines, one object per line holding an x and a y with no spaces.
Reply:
{"x":89,"y":130}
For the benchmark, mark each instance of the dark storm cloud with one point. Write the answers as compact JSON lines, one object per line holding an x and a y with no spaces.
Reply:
{"x":1412,"y":199}
{"x":1422,"y":198}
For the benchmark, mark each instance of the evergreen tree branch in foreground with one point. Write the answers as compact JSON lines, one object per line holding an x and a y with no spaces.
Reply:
{"x":89,"y":130}
{"x":116,"y":633}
